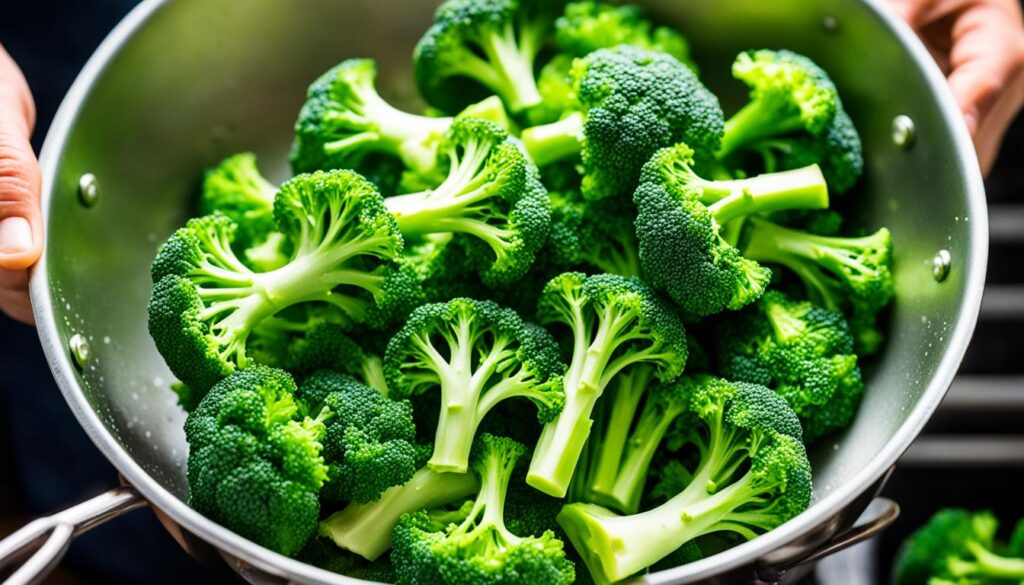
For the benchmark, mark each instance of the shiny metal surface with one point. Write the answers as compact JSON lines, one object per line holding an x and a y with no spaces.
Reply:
{"x":180,"y":84}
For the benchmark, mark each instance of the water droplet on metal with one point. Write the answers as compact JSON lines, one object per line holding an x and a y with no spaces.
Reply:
{"x":940,"y":265}
{"x":88,"y":192}
{"x":79,"y":348}
{"x":903,"y":132}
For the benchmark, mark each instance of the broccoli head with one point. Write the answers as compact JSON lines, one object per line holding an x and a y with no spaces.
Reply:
{"x":491,"y":193}
{"x":630,"y":103}
{"x":854,"y":274}
{"x":753,"y":475}
{"x":472,"y":544}
{"x":480,"y":46}
{"x":802,"y":351}
{"x":956,"y":546}
{"x":206,"y":302}
{"x":369,"y":445}
{"x":614,"y":323}
{"x":477,"y":354}
{"x":255,"y":462}
{"x":680,"y":221}
{"x":587,"y":26}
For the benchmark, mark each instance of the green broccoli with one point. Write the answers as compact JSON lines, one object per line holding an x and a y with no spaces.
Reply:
{"x":369,"y":445}
{"x":480,"y":46}
{"x":588,"y":25}
{"x":789,"y":94}
{"x":345,"y":120}
{"x":555,"y":86}
{"x":956,"y":547}
{"x":255,"y":462}
{"x":802,"y":351}
{"x":325,"y":346}
{"x":679,"y":224}
{"x":753,"y":475}
{"x":236,"y":188}
{"x":630,"y":440}
{"x":491,"y":192}
{"x":614,"y":323}
{"x":473,"y":545}
{"x":321,"y":552}
{"x":206,"y":302}
{"x":599,"y":234}
{"x":840,"y":273}
{"x":630,"y":103}
{"x":477,"y":354}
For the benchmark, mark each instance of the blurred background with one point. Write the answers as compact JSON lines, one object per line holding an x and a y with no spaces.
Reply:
{"x":971,"y":454}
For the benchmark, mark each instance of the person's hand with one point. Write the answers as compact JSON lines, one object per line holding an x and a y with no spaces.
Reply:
{"x":979,"y":44}
{"x":21,"y":228}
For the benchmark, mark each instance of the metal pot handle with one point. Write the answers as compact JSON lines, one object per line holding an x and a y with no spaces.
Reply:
{"x":49,"y":537}
{"x":881,"y":513}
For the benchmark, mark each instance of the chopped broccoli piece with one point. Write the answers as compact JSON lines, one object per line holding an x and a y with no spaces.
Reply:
{"x":369,"y":440}
{"x":840,"y":273}
{"x":367,"y":529}
{"x":325,"y":346}
{"x":680,"y":221}
{"x":752,"y":476}
{"x":255,"y":462}
{"x":490,"y":193}
{"x":956,"y":547}
{"x":789,"y":93}
{"x":802,"y":351}
{"x":588,"y":26}
{"x":473,"y":545}
{"x":206,"y":302}
{"x":630,"y":103}
{"x":476,"y":46}
{"x":477,"y":354}
{"x":614,"y":323}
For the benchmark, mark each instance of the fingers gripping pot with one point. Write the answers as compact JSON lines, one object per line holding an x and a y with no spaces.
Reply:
{"x":140,"y":124}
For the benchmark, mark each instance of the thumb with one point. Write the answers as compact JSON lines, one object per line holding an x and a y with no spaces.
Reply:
{"x":21,"y":230}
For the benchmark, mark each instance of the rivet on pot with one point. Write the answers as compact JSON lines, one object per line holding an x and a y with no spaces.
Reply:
{"x":903,"y":132}
{"x":830,"y":24}
{"x":940,"y":265}
{"x":87,"y":190}
{"x":79,"y":347}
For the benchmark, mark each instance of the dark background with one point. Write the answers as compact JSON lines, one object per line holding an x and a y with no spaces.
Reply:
{"x":47,"y":463}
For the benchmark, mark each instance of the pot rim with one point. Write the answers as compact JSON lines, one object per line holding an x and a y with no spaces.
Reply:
{"x":744,"y":554}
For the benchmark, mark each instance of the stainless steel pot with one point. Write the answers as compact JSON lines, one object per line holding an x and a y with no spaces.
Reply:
{"x":178,"y":85}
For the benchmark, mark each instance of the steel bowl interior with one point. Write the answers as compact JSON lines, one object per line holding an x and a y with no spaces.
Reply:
{"x":179,"y":85}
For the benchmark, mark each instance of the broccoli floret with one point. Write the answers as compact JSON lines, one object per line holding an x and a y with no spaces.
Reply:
{"x":802,"y":351}
{"x":956,"y":547}
{"x":837,"y":150}
{"x":555,"y":86}
{"x":325,"y":346}
{"x":367,"y":529}
{"x":473,"y":545}
{"x":614,"y":323}
{"x":630,"y":440}
{"x":344,"y":120}
{"x":321,"y":552}
{"x":789,"y":94}
{"x":369,"y":442}
{"x":236,"y":189}
{"x":854,"y":274}
{"x":206,"y":302}
{"x":477,"y":354}
{"x":255,"y":462}
{"x":679,"y":226}
{"x":491,"y":193}
{"x":588,"y":26}
{"x":630,"y":103}
{"x":599,"y":234}
{"x":479,"y":46}
{"x":753,"y":475}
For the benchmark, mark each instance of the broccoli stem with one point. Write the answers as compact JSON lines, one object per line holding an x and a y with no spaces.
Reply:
{"x":514,"y":59}
{"x":996,"y":566}
{"x":366,"y":529}
{"x":626,"y":396}
{"x":556,"y":141}
{"x":757,"y":120}
{"x":373,"y":374}
{"x":798,"y":189}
